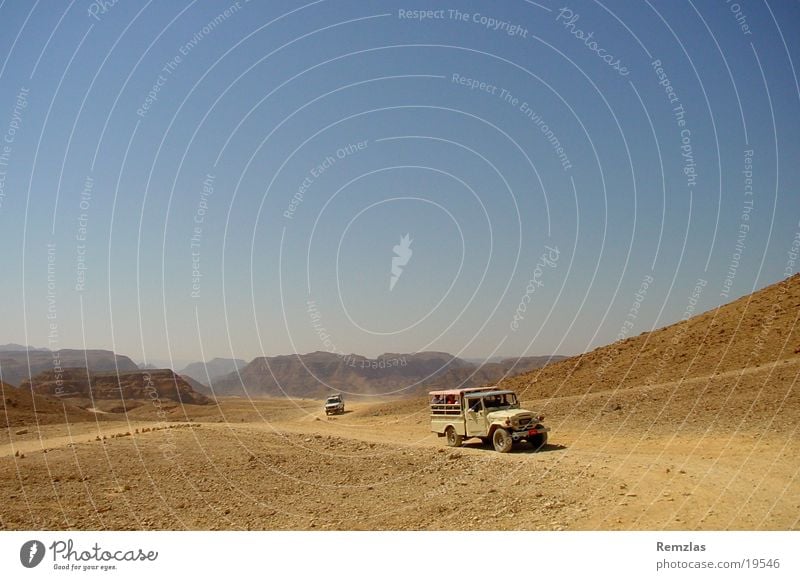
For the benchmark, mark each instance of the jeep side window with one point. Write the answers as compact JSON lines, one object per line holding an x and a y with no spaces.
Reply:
{"x":475,"y":406}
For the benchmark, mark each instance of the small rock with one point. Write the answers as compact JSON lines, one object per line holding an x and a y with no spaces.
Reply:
{"x":22,"y":432}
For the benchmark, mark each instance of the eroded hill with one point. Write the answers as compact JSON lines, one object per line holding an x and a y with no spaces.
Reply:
{"x":753,"y":331}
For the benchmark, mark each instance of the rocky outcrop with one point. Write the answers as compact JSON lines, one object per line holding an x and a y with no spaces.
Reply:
{"x":162,"y":384}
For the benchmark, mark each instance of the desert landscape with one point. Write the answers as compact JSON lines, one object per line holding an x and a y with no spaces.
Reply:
{"x":689,"y":427}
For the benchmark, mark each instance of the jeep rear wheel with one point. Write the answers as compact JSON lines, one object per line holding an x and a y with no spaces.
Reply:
{"x":502,"y":441}
{"x":453,"y":438}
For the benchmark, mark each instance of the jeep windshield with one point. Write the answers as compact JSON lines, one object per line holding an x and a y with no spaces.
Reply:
{"x":494,"y":401}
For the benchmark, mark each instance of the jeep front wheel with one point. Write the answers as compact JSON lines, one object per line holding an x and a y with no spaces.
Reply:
{"x":539,"y":440}
{"x":502,"y":441}
{"x":453,"y":438}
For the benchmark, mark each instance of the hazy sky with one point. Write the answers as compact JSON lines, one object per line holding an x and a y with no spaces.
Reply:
{"x":185,"y":180}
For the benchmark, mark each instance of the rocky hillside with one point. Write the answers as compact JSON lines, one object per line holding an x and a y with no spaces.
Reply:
{"x":317,"y":374}
{"x":14,"y":365}
{"x":21,"y":407}
{"x":162,"y":384}
{"x":753,"y":331}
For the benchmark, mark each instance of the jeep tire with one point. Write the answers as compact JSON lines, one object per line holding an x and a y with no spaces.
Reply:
{"x":502,"y":441}
{"x":453,"y":438}
{"x":539,"y":440}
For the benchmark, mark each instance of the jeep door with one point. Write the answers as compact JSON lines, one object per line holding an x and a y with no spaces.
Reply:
{"x":475,"y":417}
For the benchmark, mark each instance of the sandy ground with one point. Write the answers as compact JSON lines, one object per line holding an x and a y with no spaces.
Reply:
{"x":620,"y":460}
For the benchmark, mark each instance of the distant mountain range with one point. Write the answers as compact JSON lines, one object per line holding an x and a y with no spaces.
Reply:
{"x":317,"y":374}
{"x":12,"y":347}
{"x":19,"y":365}
{"x":205,"y":372}
{"x":305,"y":375}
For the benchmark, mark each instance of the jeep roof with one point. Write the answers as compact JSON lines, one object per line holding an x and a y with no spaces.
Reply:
{"x":487,"y":394}
{"x":458,"y":392}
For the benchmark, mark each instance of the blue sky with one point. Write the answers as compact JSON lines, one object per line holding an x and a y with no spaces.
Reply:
{"x":489,"y":149}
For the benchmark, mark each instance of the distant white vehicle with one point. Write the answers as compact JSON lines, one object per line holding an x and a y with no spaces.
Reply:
{"x":334,"y":405}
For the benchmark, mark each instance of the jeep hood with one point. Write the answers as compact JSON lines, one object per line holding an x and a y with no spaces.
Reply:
{"x":504,"y":414}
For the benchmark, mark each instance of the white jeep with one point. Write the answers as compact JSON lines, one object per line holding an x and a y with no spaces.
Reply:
{"x":489,"y":413}
{"x":334,"y":405}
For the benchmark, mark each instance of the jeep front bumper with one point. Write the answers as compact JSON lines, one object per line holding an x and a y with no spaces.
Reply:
{"x":517,"y":435}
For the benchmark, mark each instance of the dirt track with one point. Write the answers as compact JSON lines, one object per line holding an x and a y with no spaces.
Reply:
{"x":615,"y":461}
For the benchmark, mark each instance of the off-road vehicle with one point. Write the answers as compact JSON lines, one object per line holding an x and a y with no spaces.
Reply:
{"x":334,"y":405}
{"x":489,"y":413}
